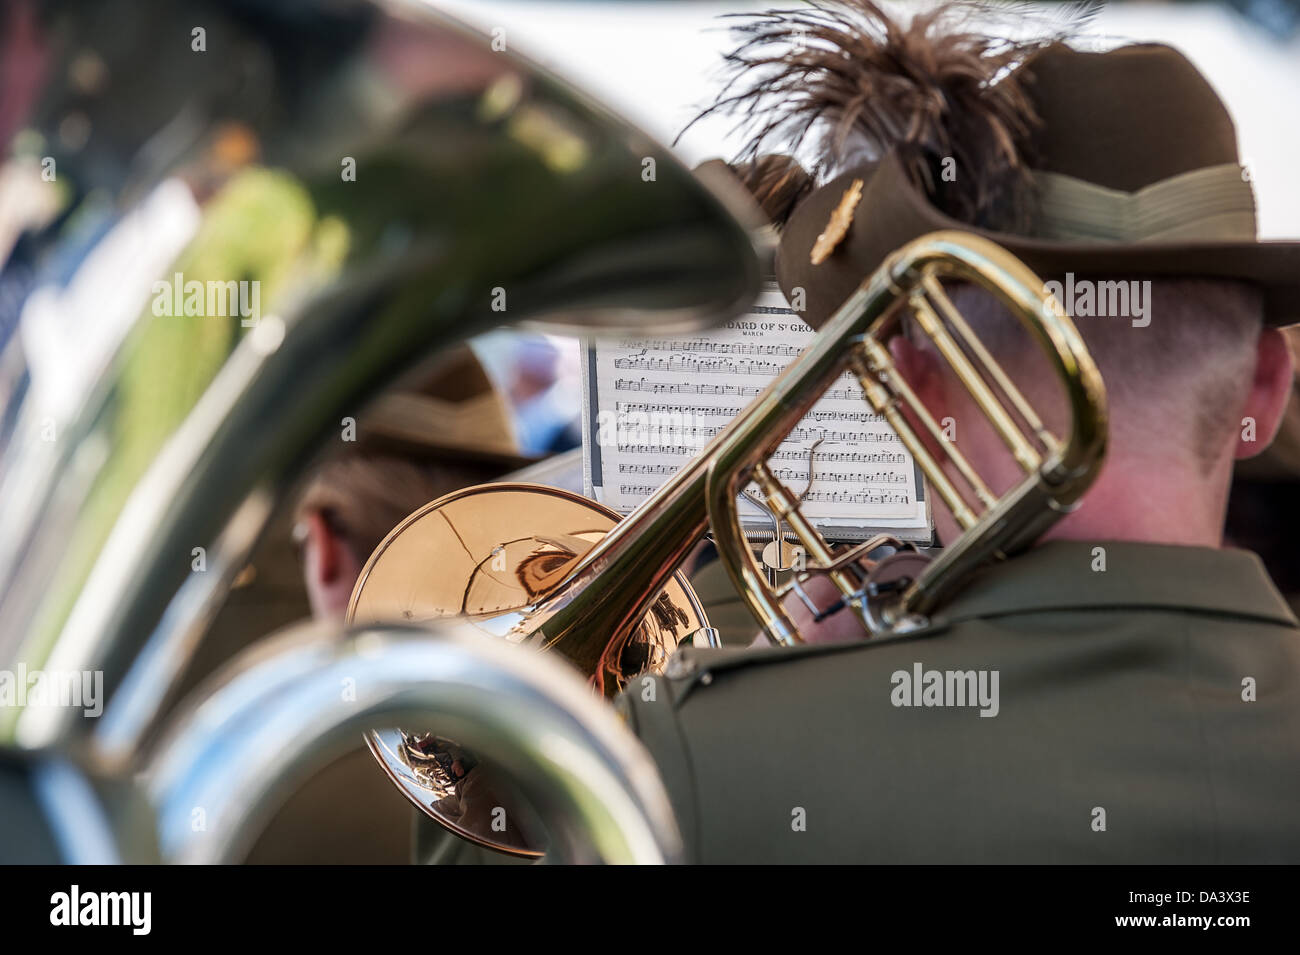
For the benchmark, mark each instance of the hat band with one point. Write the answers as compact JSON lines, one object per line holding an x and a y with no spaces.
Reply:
{"x":1216,"y":203}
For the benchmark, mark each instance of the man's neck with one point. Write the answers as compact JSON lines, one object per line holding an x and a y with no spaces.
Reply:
{"x":1151,"y":503}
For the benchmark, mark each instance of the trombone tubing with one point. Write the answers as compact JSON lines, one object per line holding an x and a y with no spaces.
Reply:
{"x":760,"y":428}
{"x":870,"y":311}
{"x":643,"y":551}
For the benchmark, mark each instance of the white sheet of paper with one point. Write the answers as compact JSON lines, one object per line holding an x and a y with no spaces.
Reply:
{"x":652,"y":404}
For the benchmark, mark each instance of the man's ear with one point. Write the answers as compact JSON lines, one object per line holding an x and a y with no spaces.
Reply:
{"x":1270,"y":391}
{"x":326,"y":545}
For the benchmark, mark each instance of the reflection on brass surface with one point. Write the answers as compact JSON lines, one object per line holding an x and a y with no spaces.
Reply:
{"x":242,"y":248}
{"x":491,"y":555}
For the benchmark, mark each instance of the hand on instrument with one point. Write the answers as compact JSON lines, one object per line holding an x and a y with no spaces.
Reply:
{"x":840,"y":627}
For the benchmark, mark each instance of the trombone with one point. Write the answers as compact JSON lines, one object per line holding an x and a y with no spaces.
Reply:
{"x":590,"y":597}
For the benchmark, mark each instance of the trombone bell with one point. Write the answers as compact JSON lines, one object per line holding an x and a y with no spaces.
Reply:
{"x":490,"y":555}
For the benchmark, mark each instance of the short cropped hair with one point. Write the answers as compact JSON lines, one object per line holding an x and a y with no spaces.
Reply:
{"x":1192,"y":362}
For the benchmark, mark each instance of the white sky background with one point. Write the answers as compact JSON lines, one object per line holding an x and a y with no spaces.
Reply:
{"x":657,"y":62}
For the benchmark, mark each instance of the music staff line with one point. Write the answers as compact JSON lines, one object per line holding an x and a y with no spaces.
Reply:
{"x":794,"y":454}
{"x":701,"y":388}
{"x":867,"y":497}
{"x":700,"y":346}
{"x":704,"y":432}
{"x":787,"y":474}
{"x":676,"y":411}
{"x":702,"y":366}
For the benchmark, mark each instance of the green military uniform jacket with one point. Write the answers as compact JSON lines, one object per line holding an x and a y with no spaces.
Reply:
{"x":1147,"y":712}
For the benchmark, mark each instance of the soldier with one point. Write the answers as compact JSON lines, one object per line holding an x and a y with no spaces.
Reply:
{"x":418,"y":444}
{"x":447,"y":429}
{"x":1126,"y":690}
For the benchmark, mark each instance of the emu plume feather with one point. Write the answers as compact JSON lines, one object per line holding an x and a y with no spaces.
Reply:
{"x":844,"y":80}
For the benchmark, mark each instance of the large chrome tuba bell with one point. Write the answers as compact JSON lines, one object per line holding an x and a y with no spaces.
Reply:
{"x":332,"y":192}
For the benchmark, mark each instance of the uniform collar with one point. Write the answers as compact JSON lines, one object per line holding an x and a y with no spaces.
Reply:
{"x":1067,"y":575}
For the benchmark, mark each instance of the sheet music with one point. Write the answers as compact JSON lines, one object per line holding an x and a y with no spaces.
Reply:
{"x":652,"y":404}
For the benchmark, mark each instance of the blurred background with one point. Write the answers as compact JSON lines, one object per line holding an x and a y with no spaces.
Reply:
{"x":657,"y":62}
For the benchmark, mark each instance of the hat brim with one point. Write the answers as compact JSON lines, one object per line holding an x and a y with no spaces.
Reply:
{"x":892,"y":212}
{"x":453,"y":414}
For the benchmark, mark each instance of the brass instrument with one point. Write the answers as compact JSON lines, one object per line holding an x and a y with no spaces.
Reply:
{"x":368,"y":185}
{"x":596,"y":599}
